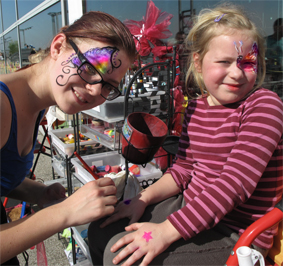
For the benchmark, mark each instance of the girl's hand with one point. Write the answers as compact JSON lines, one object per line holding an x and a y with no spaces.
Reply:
{"x":91,"y":202}
{"x":130,"y":208}
{"x":134,"y":208}
{"x":51,"y":194}
{"x":148,"y":240}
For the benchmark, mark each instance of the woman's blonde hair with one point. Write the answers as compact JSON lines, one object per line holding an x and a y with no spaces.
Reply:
{"x":223,"y":19}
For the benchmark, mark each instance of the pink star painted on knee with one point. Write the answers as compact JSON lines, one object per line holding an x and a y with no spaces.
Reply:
{"x":147,"y":236}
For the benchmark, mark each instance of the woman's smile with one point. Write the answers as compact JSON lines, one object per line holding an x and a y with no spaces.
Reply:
{"x":79,"y":97}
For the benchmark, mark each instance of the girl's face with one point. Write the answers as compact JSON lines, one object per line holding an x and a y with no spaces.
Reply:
{"x":73,"y":94}
{"x":229,"y":68}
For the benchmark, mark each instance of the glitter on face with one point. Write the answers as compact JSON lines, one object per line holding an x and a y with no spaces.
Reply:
{"x":104,"y":60}
{"x":247,"y":63}
{"x":100,"y":58}
{"x":240,"y":49}
{"x":147,"y":236}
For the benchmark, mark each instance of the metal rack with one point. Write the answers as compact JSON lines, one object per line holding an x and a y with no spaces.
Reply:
{"x":157,"y":101}
{"x":159,"y":78}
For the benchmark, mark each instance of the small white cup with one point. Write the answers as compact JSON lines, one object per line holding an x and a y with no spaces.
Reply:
{"x":249,"y":257}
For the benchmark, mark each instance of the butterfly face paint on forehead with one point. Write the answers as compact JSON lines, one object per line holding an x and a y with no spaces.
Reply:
{"x":100,"y":58}
{"x":247,"y":63}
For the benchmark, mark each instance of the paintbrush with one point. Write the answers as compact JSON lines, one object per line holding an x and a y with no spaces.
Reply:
{"x":95,"y":176}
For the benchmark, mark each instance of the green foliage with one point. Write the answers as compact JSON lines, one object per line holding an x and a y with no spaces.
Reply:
{"x":13,"y":47}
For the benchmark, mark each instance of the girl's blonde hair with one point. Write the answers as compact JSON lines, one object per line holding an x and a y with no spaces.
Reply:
{"x":214,"y":22}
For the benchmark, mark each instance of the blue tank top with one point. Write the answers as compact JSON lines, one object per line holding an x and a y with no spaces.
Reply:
{"x":14,"y":168}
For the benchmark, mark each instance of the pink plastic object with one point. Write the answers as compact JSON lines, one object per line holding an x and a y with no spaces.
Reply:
{"x":41,"y":254}
{"x":115,"y":169}
{"x":107,"y":168}
{"x":93,"y":168}
{"x":102,"y":174}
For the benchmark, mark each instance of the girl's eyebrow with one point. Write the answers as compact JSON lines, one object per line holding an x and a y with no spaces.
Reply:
{"x":223,"y":57}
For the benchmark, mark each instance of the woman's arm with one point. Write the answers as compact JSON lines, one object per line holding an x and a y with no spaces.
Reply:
{"x":37,"y":193}
{"x":91,"y":202}
{"x":164,"y":188}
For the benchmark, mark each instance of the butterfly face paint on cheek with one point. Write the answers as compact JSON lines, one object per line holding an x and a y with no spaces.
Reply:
{"x":247,"y":63}
{"x":103,"y":59}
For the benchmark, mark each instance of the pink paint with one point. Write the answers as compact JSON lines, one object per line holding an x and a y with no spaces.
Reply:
{"x":147,"y":236}
{"x":249,"y":62}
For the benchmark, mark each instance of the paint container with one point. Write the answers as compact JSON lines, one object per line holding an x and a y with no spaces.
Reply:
{"x":143,"y":134}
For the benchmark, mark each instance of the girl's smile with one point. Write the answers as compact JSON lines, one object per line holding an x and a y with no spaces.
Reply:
{"x":227,"y":77}
{"x":233,"y":87}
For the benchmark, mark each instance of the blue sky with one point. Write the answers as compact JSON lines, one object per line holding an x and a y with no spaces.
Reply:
{"x":262,"y":12}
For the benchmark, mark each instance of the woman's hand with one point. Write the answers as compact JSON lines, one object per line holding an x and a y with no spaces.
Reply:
{"x":91,"y":202}
{"x":51,"y":194}
{"x":148,"y":240}
{"x":130,"y":208}
{"x":134,"y":208}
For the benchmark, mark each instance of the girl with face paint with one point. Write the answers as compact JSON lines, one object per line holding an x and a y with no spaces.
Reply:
{"x":82,"y":68}
{"x":227,"y":170}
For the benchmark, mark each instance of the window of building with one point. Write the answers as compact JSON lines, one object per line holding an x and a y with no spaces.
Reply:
{"x":8,"y":13}
{"x":37,"y":33}
{"x":11,"y":55}
{"x":24,"y":6}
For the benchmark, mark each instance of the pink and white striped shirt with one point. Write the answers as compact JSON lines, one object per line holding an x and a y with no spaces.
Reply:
{"x":229,"y":164}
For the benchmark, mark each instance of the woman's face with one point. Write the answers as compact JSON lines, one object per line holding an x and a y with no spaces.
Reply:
{"x":71,"y":91}
{"x":229,"y":68}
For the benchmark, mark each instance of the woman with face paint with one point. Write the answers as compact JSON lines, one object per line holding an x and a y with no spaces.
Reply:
{"x":228,"y":170}
{"x":82,"y":69}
